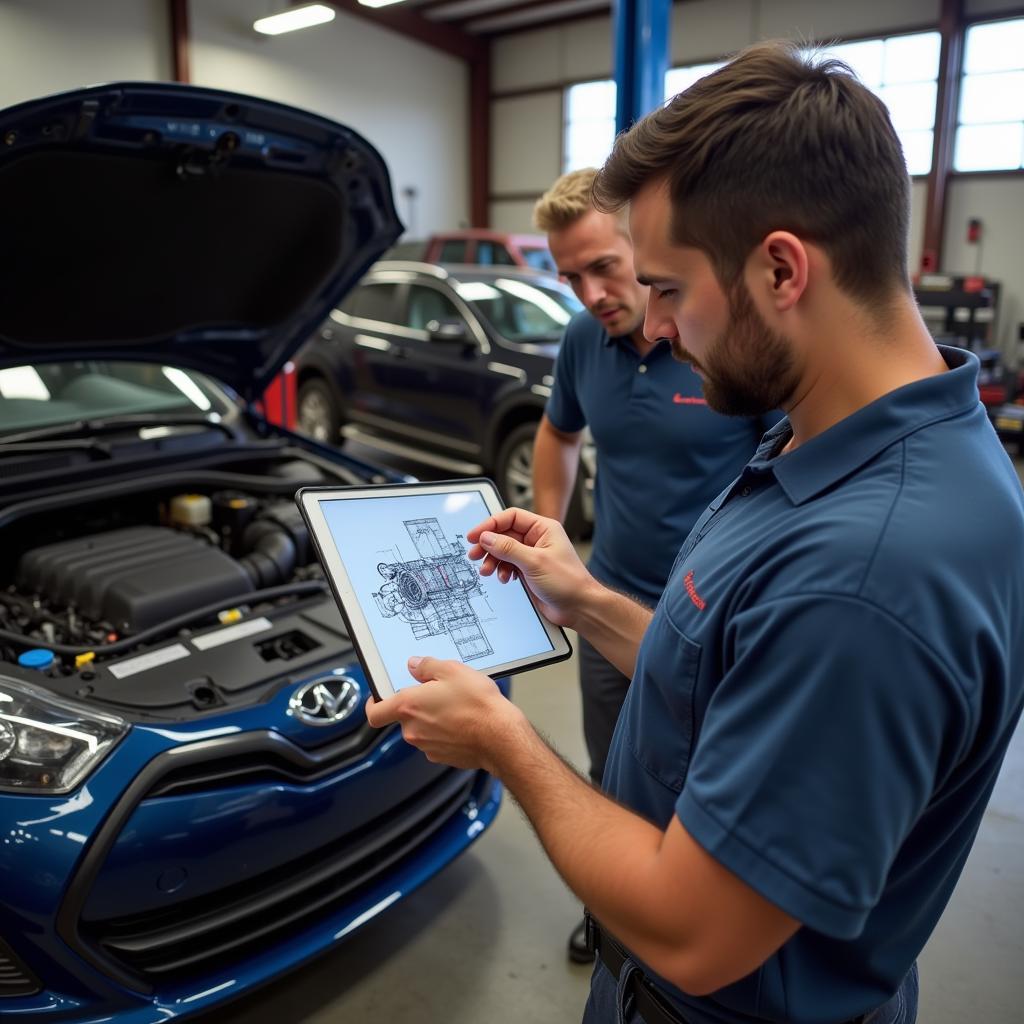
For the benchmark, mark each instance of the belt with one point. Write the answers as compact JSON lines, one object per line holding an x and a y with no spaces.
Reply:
{"x":652,"y":1006}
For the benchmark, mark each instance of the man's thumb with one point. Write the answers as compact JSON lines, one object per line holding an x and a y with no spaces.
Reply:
{"x":506,"y":548}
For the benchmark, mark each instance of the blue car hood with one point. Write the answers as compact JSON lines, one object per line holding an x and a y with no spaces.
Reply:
{"x":178,"y":224}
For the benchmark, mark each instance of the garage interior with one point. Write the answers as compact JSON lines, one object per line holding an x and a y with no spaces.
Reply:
{"x":477,"y":106}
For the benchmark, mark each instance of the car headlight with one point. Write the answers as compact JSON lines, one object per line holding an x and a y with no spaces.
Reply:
{"x":49,"y":745}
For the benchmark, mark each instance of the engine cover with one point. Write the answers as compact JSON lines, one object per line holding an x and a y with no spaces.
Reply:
{"x":132,"y":578}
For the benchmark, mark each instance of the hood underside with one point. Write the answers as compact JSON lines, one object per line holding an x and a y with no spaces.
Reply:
{"x":160,"y":222}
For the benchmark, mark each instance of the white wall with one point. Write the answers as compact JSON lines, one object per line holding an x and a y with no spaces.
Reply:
{"x":408,"y":99}
{"x":49,"y":46}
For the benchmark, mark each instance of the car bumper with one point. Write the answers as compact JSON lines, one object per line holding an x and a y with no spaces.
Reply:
{"x":199,"y":863}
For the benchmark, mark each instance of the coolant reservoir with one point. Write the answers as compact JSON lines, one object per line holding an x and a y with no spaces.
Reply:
{"x":190,"y":510}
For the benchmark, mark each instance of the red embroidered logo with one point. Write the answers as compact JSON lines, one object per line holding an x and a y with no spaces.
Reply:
{"x":691,"y":589}
{"x":684,"y":400}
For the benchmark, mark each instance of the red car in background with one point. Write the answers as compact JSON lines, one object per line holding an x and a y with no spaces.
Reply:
{"x":479,"y":246}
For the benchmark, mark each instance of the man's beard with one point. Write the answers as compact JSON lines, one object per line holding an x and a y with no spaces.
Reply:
{"x":748,"y":368}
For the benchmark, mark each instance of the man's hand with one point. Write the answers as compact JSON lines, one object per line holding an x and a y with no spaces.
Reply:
{"x":455,"y":716}
{"x":517,"y":542}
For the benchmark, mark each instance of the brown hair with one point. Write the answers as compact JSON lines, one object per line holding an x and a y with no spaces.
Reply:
{"x":775,"y":141}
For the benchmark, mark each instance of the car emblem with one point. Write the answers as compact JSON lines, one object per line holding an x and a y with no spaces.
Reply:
{"x":325,"y":701}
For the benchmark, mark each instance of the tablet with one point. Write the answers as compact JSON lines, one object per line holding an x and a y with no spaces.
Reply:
{"x":395,"y":558}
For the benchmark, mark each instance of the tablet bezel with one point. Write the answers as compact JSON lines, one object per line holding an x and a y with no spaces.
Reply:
{"x":309,"y":501}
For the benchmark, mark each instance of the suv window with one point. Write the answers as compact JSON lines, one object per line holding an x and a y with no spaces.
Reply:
{"x":426,"y":304}
{"x":493,"y":254}
{"x":372,"y":302}
{"x":520,"y":310}
{"x":453,"y":252}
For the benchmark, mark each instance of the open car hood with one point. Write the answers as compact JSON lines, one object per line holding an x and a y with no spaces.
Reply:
{"x":168,"y":223}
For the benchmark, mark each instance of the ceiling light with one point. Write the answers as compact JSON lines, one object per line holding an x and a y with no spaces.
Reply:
{"x":296,"y":18}
{"x":379,"y":3}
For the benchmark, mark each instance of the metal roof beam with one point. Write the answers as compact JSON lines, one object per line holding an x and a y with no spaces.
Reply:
{"x":407,"y":22}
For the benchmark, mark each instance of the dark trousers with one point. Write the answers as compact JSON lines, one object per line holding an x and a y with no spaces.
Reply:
{"x":610,"y":1004}
{"x":604,"y":689}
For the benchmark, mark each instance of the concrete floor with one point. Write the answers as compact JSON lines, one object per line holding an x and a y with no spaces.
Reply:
{"x":485,"y":941}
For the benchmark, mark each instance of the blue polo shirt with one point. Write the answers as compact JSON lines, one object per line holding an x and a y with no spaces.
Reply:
{"x":662,"y":453}
{"x":829,"y":684}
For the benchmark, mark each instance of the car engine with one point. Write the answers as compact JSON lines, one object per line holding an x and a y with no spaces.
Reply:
{"x":167,"y":600}
{"x":129,"y":580}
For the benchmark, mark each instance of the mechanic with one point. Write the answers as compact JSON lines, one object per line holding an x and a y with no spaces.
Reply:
{"x":826,"y":690}
{"x":663,"y":455}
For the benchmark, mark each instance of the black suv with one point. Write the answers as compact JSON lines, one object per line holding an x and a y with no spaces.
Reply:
{"x":447,"y":365}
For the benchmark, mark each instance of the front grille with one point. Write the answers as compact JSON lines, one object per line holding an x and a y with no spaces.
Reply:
{"x":215,"y":931}
{"x":274,"y":760}
{"x":15,"y":978}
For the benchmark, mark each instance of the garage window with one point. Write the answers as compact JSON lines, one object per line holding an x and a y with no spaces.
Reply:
{"x":990,"y":129}
{"x":678,"y":80}
{"x":903,"y":72}
{"x":589,"y":124}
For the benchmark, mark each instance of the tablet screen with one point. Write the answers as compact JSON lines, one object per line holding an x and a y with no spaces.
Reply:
{"x":405,"y":559}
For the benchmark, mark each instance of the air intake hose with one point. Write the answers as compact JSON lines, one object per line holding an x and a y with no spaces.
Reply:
{"x":272,"y":553}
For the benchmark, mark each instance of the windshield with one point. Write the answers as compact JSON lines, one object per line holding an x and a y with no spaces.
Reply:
{"x":521,"y":310}
{"x":56,"y":393}
{"x":539,"y":259}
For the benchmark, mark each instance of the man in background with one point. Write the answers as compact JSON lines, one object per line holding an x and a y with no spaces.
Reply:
{"x":663,"y":455}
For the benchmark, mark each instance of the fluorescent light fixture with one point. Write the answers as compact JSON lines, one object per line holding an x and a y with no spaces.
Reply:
{"x":379,"y":3}
{"x":296,"y":18}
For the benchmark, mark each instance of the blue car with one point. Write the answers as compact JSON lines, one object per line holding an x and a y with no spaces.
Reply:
{"x":191,"y":799}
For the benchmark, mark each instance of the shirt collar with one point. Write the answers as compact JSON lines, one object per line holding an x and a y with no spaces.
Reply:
{"x":626,"y":342}
{"x":834,"y":454}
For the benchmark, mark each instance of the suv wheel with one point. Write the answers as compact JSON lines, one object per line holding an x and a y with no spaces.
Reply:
{"x":513,"y":473}
{"x":318,"y":415}
{"x":514,"y":469}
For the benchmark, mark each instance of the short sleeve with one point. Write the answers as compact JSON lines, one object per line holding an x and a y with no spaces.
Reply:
{"x":563,"y":408}
{"x":820,"y":748}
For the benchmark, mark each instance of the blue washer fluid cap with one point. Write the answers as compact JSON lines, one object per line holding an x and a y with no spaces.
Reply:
{"x":38,"y":658}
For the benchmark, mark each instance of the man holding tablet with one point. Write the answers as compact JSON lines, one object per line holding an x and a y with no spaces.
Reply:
{"x":396,"y":560}
{"x":823,"y":697}
{"x":662,"y":453}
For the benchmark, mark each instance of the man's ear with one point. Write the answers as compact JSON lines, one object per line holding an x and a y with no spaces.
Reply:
{"x":778,"y":270}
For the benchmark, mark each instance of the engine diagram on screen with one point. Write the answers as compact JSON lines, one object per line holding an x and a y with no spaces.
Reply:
{"x":433,"y":592}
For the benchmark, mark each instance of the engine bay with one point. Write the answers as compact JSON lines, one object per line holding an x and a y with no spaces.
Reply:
{"x":169,"y":601}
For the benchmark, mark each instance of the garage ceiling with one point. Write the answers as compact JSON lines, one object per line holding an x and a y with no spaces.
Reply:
{"x":496,"y":17}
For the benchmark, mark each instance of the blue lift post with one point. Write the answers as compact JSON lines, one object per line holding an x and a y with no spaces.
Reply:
{"x":641,"y":57}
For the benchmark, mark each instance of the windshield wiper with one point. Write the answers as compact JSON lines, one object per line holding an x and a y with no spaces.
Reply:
{"x":109,"y":425}
{"x":35,"y":447}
